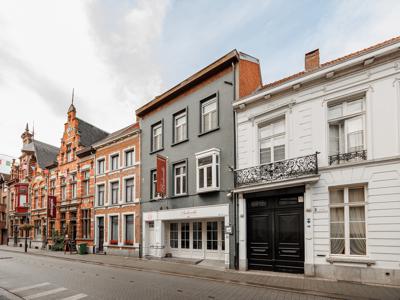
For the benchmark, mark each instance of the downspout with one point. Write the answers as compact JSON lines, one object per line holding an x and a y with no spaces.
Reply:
{"x":235,"y":203}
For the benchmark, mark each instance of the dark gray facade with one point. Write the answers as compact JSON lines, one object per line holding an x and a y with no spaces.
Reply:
{"x":221,"y":138}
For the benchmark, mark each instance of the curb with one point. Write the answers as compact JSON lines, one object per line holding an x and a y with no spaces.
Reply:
{"x":8,"y":295}
{"x":209,"y":278}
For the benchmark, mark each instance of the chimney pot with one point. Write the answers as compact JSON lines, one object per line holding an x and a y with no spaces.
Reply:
{"x":311,"y":60}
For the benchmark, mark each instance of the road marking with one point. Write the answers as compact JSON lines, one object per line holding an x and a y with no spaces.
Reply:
{"x":46,"y":293}
{"x":75,"y":297}
{"x":24,"y":288}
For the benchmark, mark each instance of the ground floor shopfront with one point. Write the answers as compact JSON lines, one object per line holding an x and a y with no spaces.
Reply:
{"x":39,"y":231}
{"x":193,"y":233}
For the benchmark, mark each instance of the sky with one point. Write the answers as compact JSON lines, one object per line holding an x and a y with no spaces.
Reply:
{"x":119,"y":54}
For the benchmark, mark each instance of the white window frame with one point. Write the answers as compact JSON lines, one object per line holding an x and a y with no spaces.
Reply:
{"x":110,"y":160}
{"x":203,"y":104}
{"x":110,"y":192}
{"x":180,"y":177}
{"x":103,"y":158}
{"x":133,"y":157}
{"x":97,"y":194}
{"x":74,"y":186}
{"x":153,"y":193}
{"x":124,"y":189}
{"x":110,"y":228}
{"x":346,"y":205}
{"x":273,"y":137}
{"x":124,"y":228}
{"x":343,"y":120}
{"x":160,"y":136}
{"x":182,"y":114}
{"x":215,"y":173}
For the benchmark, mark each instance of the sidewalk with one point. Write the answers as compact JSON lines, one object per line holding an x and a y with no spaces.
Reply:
{"x":296,"y":283}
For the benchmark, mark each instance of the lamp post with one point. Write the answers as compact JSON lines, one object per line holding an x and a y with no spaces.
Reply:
{"x":27,"y":228}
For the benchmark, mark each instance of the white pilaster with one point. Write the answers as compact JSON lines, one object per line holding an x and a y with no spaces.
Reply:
{"x":308,"y":233}
{"x":242,"y":233}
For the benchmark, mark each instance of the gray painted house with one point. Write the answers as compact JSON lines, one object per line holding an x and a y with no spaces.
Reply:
{"x":192,"y":125}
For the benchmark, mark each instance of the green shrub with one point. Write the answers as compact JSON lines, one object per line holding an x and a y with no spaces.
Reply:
{"x":58,"y":242}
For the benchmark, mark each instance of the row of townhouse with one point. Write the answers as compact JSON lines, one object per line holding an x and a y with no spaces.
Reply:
{"x":60,"y":191}
{"x":300,"y":175}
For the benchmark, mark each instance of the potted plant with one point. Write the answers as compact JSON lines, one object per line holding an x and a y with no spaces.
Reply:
{"x":129,"y":242}
{"x":113,"y":242}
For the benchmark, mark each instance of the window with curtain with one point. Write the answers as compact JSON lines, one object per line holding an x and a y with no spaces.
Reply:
{"x":271,"y":141}
{"x":114,"y":229}
{"x":185,"y":235}
{"x":347,"y":221}
{"x":129,"y":230}
{"x":197,"y":235}
{"x":346,"y":127}
{"x":209,"y":115}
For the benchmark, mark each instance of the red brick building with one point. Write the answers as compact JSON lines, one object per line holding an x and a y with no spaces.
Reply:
{"x":27,"y":190}
{"x":117,"y":201}
{"x":74,"y":179}
{"x":3,"y":207}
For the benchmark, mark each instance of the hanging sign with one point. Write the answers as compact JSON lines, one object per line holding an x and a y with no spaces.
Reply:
{"x":161,"y":186}
{"x":51,"y":206}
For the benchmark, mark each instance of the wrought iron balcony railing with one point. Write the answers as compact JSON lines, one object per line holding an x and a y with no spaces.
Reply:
{"x":280,"y":170}
{"x":346,"y":157}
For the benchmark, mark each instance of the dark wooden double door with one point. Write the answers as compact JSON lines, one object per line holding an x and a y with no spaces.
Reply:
{"x":275,"y":233}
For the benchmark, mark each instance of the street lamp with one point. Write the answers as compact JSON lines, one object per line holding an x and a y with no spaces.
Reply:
{"x":27,"y":228}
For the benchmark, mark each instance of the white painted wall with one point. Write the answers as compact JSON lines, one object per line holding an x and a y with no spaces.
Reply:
{"x":307,"y":132}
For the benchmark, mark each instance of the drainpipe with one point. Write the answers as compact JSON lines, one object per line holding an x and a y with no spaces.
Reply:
{"x":234,"y":196}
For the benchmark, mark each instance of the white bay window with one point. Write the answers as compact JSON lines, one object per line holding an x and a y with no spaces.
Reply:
{"x":207,"y":165}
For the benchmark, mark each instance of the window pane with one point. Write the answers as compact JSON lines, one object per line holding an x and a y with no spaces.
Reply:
{"x":265,"y":131}
{"x":209,"y":176}
{"x":335,"y":111}
{"x":337,"y":246}
{"x":185,"y":234}
{"x":354,"y":107}
{"x":358,"y":247}
{"x":337,"y":214}
{"x":357,"y":213}
{"x":129,"y":229}
{"x":201,"y":178}
{"x":357,"y":230}
{"x":336,"y":196}
{"x":279,"y":152}
{"x":205,"y":160}
{"x":356,"y":195}
{"x":334,"y":139}
{"x":337,"y":230}
{"x":265,"y":156}
{"x":279,"y":126}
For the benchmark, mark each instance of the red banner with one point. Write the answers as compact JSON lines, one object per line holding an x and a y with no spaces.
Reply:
{"x":161,"y":187}
{"x":51,"y":206}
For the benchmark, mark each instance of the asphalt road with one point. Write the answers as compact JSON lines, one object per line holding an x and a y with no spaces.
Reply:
{"x":35,"y":277}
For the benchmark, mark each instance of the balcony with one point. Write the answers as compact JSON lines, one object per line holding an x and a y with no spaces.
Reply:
{"x":277,"y":171}
{"x":347,"y":157}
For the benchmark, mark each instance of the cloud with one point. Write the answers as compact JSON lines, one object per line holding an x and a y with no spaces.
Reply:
{"x":127,"y":42}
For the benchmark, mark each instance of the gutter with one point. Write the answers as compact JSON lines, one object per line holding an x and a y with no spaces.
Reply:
{"x":317,"y":74}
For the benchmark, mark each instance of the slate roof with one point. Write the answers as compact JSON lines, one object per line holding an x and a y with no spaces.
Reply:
{"x":45,"y":154}
{"x":118,"y":134}
{"x":89,"y":133}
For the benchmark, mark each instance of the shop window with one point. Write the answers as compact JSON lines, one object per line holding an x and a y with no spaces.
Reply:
{"x":212,"y":235}
{"x":185,"y":236}
{"x":173,"y":235}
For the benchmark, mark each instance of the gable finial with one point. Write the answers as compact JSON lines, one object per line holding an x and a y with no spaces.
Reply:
{"x":33,"y":128}
{"x":27,"y":127}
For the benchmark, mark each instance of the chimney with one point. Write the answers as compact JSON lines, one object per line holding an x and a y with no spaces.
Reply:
{"x":311,"y":60}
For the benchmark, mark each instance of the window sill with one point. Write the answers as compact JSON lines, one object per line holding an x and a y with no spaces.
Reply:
{"x":156,"y":151}
{"x":209,"y":131}
{"x":180,"y":142}
{"x":349,"y":259}
{"x":208,"y":190}
{"x":179,"y":196}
